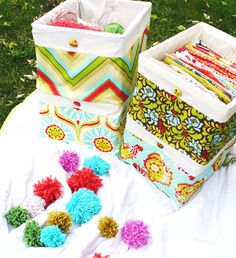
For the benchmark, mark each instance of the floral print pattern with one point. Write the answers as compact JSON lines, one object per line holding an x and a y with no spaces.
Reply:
{"x":157,"y":171}
{"x":74,"y":125}
{"x":185,"y":191}
{"x":179,"y":124}
{"x":155,"y":164}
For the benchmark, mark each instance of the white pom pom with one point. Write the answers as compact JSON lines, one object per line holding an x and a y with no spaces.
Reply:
{"x":35,"y":206}
{"x":65,"y":14}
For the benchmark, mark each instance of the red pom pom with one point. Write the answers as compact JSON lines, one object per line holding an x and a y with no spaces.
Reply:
{"x":84,"y":178}
{"x":72,"y":24}
{"x":96,"y":255}
{"x":48,"y":189}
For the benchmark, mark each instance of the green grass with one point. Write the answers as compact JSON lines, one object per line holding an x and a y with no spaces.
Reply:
{"x":17,"y":53}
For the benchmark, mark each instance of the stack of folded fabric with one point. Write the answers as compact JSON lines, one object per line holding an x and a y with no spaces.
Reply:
{"x":205,"y":69}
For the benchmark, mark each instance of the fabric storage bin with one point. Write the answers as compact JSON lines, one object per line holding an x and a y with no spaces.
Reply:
{"x":177,"y":134}
{"x":100,"y":69}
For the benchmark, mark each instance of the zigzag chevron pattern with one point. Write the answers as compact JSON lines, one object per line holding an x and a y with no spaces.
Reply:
{"x":87,"y":77}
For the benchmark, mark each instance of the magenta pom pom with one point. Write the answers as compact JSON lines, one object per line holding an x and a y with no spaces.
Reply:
{"x":135,"y":234}
{"x":70,"y":161}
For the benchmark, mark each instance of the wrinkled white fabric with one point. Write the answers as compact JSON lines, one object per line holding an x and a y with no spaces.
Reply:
{"x":205,"y":227}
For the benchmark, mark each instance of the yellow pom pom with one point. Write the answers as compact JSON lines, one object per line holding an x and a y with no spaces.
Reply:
{"x":107,"y":227}
{"x":61,"y":219}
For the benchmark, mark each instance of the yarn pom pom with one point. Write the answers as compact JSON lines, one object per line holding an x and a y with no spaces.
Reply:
{"x":16,"y":216}
{"x":135,"y":234}
{"x":32,"y":234}
{"x":65,"y":14}
{"x":69,"y":160}
{"x":98,"y":165}
{"x":52,"y":236}
{"x":83,"y":205}
{"x":84,"y":178}
{"x":61,"y":219}
{"x":72,"y":24}
{"x":107,"y":227}
{"x":35,"y":205}
{"x":48,"y":189}
{"x":96,"y":255}
{"x":114,"y":27}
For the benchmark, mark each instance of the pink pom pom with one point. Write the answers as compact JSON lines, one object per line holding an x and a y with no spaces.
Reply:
{"x":135,"y":233}
{"x":72,"y":24}
{"x":69,"y":160}
{"x":84,"y":178}
{"x":48,"y":189}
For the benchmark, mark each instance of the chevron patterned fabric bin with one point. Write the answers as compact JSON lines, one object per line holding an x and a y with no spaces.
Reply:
{"x":100,"y":70}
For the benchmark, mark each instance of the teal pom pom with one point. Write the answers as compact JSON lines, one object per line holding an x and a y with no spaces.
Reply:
{"x":99,"y":166}
{"x":83,"y":205}
{"x":32,"y":234}
{"x":114,"y":27}
{"x":17,"y":216}
{"x":52,"y":236}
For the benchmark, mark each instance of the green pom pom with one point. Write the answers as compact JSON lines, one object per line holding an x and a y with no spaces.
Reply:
{"x":17,"y":216}
{"x":114,"y":28}
{"x":32,"y":234}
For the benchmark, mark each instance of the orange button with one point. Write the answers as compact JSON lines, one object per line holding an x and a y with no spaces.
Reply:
{"x":74,"y":43}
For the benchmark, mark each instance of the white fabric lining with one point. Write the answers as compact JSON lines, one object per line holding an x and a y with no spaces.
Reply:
{"x":134,"y":15}
{"x":95,"y":108}
{"x":151,"y":67}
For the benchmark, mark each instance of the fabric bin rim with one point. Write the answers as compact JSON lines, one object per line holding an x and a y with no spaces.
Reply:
{"x":159,"y":74}
{"x":111,"y":45}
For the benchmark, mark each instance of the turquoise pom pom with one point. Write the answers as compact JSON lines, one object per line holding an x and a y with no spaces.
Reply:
{"x":83,"y":205}
{"x":99,"y":166}
{"x":52,"y":236}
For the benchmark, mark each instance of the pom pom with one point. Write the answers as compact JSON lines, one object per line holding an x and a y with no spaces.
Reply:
{"x":52,"y":236}
{"x":35,"y":206}
{"x":99,"y":166}
{"x":61,"y":219}
{"x":96,"y":255}
{"x":48,"y":189}
{"x":32,"y":234}
{"x":65,"y":14}
{"x":135,"y":234}
{"x":69,"y":160}
{"x":83,"y":205}
{"x":107,"y":227}
{"x":16,"y":216}
{"x":72,"y":24}
{"x":114,"y":28}
{"x":84,"y":178}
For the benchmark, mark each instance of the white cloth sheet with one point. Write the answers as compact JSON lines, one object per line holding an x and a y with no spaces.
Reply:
{"x":205,"y":227}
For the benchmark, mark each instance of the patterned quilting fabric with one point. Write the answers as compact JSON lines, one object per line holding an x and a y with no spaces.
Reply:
{"x":154,"y":163}
{"x":86,"y":77}
{"x":74,"y":125}
{"x":178,"y":124}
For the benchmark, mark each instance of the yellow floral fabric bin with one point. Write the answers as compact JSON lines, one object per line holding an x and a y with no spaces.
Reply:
{"x":176,"y":136}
